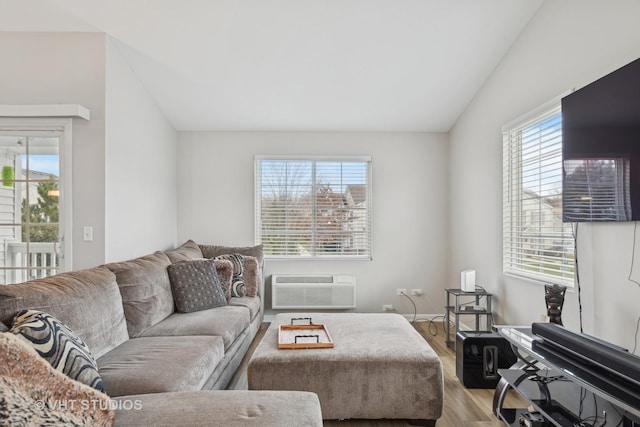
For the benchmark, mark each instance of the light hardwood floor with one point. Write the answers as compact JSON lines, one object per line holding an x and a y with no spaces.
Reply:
{"x":462,"y":406}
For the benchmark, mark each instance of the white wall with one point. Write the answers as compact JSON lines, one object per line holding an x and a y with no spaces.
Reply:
{"x":141,"y":182}
{"x":410,"y":205}
{"x":568,"y":44}
{"x":66,"y":68}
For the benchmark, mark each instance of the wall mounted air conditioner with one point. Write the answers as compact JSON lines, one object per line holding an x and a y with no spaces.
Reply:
{"x":321,"y":291}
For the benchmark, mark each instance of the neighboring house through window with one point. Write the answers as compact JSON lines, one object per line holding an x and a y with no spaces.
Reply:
{"x":536,"y":243}
{"x":313,"y":207}
{"x":32,"y":212}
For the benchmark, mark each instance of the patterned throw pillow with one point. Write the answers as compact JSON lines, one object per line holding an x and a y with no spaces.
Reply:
{"x":257,"y":252}
{"x":224,"y":269}
{"x":237,"y":281}
{"x":56,"y":343}
{"x":195,"y":285}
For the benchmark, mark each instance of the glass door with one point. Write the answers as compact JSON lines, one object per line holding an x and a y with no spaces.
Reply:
{"x":30,"y":210}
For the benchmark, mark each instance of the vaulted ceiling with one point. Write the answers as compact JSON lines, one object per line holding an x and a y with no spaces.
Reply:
{"x":318,"y":65}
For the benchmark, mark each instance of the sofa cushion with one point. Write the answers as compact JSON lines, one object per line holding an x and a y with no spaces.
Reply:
{"x":229,"y":408}
{"x":227,"y":322}
{"x":146,"y":291}
{"x":195,"y":285}
{"x":32,"y":392}
{"x":187,"y":251}
{"x":252,"y":303}
{"x":59,"y":346}
{"x":87,"y":301}
{"x":160,"y":364}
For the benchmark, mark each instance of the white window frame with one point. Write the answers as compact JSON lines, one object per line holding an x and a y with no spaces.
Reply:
{"x":63,"y":128}
{"x":314,"y":256}
{"x":527,"y":252}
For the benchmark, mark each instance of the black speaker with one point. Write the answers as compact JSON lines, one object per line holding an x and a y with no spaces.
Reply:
{"x":479,"y":355}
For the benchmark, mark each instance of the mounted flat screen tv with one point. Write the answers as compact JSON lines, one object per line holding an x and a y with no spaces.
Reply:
{"x":601,"y":149}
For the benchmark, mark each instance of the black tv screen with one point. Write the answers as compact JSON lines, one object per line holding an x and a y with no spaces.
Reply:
{"x":601,"y":149}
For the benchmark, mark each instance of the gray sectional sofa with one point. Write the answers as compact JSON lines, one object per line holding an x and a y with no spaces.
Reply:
{"x":148,"y":352}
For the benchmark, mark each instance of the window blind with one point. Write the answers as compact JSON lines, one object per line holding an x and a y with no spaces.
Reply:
{"x":308,"y":207}
{"x":536,"y":243}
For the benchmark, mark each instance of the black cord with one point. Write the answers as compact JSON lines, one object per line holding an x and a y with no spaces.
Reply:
{"x":633,"y":254}
{"x":583,"y":394}
{"x":433,"y":328}
{"x":575,"y":256}
{"x":635,"y":337}
{"x":415,"y":310}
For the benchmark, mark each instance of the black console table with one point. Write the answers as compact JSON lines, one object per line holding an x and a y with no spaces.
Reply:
{"x":565,"y":394}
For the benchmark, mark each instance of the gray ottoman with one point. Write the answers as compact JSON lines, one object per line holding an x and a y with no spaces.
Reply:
{"x":380,"y":367}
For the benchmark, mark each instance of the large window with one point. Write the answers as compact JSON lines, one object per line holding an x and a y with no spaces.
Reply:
{"x":311,"y":207}
{"x":536,"y":243}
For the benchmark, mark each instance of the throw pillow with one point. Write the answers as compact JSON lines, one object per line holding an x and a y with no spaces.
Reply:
{"x":237,"y":282}
{"x":3,"y":327}
{"x":224,"y":269}
{"x":58,"y":345}
{"x":246,"y":274}
{"x":195,"y":286}
{"x":210,"y":251}
{"x":32,"y":393}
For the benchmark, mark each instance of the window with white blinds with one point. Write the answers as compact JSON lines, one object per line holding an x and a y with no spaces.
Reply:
{"x":308,"y":207}
{"x":536,"y":243}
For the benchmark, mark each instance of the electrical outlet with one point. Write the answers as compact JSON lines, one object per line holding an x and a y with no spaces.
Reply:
{"x":387,"y":307}
{"x":417,"y":292}
{"x":401,"y":291}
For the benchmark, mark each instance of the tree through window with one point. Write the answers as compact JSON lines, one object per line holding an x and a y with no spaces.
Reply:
{"x":313,"y":208}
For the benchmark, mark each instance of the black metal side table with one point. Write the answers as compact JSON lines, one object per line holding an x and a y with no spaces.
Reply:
{"x":459,"y":307}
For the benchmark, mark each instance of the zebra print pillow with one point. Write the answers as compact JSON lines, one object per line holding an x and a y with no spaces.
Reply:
{"x":237,"y":281}
{"x":58,"y":345}
{"x":246,"y":274}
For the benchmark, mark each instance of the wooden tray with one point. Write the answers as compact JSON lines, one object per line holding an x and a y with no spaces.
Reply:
{"x":307,"y":336}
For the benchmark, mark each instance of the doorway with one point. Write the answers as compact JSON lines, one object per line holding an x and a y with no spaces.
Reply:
{"x":32,"y":201}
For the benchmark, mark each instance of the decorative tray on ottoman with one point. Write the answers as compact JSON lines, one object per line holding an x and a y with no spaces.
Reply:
{"x":303,"y":336}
